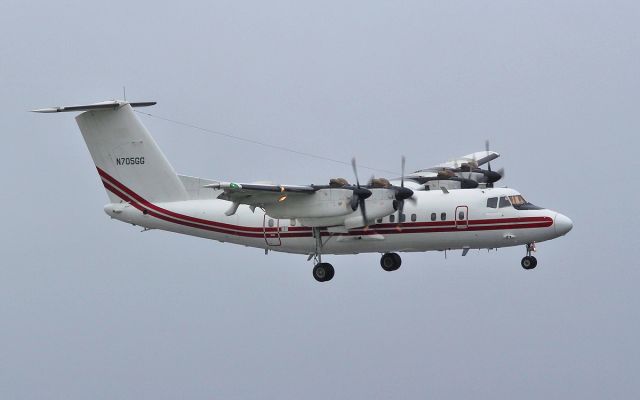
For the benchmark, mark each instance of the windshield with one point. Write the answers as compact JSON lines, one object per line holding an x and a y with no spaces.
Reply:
{"x":517,"y":201}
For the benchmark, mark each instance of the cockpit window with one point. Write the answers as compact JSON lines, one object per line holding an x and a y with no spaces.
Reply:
{"x":517,"y":200}
{"x":504,"y":202}
{"x":519,"y":203}
{"x":492,"y":202}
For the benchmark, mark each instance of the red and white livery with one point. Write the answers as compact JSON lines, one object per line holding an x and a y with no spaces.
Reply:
{"x":450,"y":206}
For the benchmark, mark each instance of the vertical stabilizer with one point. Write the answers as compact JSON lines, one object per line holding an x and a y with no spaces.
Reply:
{"x":123,"y":148}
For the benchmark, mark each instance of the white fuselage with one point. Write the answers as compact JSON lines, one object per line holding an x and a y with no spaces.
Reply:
{"x":436,"y":220}
{"x":146,"y":191}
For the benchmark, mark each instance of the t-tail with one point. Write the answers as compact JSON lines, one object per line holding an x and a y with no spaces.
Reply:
{"x":126,"y":156}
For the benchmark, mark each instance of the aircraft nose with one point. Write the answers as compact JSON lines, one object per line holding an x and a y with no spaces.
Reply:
{"x":562,"y":224}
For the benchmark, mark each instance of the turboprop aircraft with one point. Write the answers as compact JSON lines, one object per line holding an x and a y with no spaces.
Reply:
{"x":453,"y":205}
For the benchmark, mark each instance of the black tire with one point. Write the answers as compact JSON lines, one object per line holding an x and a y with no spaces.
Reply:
{"x":529,"y":262}
{"x":323,"y":272}
{"x":390,"y":261}
{"x":331,"y":272}
{"x":397,"y":259}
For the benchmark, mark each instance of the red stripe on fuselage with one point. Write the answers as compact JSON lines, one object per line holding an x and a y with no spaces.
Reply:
{"x":471,"y":222}
{"x":194,"y":225}
{"x":152,"y":206}
{"x":405,"y":229}
{"x":153,"y":210}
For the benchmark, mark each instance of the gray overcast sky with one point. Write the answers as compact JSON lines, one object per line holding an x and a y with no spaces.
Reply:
{"x":92,"y":308}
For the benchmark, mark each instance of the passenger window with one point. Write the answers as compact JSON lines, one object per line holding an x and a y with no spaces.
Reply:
{"x":392,"y":218}
{"x":292,"y":222}
{"x":433,"y":216}
{"x":443,"y":216}
{"x":492,"y":202}
{"x":379,"y":220}
{"x":270,"y":223}
{"x":414,"y":217}
{"x":403,"y":217}
{"x":504,"y":202}
{"x":461,"y":215}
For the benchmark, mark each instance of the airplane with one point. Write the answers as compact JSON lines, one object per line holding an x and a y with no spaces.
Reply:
{"x":451,"y":206}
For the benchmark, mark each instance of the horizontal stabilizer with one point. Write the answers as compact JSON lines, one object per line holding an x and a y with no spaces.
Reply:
{"x":113,"y":104}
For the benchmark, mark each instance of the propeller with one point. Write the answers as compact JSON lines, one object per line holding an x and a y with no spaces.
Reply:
{"x":402,"y":193}
{"x":469,"y":167}
{"x":360,"y":194}
{"x":492,"y":176}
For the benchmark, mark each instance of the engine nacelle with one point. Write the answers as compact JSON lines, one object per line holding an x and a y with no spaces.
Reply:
{"x":332,"y":207}
{"x":330,"y":202}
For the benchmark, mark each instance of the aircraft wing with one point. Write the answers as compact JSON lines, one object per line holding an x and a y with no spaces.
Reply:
{"x":254,"y":194}
{"x":480,"y":158}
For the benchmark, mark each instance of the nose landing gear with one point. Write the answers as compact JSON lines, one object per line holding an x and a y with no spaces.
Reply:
{"x":529,"y":261}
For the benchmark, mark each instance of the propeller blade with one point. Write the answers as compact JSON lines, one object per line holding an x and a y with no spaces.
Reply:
{"x":400,"y":213}
{"x":355,"y":171}
{"x":402,"y":169}
{"x":363,"y":211}
{"x":402,"y":193}
{"x":486,"y":147}
{"x":355,"y":199}
{"x":359,"y":194}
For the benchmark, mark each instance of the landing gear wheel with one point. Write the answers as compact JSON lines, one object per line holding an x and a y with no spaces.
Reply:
{"x":529,"y":262}
{"x":323,"y":272}
{"x":331,"y":271}
{"x":390,"y":261}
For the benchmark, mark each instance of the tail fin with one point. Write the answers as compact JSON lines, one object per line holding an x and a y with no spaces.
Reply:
{"x":124,"y":151}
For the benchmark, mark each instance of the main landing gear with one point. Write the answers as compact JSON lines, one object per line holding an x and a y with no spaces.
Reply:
{"x":390,"y":261}
{"x":322,"y":272}
{"x":529,"y":261}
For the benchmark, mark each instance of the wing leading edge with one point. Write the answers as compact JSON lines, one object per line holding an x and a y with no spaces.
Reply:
{"x":480,"y":158}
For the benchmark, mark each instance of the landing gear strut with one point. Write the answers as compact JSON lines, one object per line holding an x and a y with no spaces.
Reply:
{"x":390,"y":261}
{"x":529,"y":261}
{"x":322,"y":272}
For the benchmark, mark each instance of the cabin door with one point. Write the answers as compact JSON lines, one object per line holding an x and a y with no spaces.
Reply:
{"x":271,"y":230}
{"x":462,"y":217}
